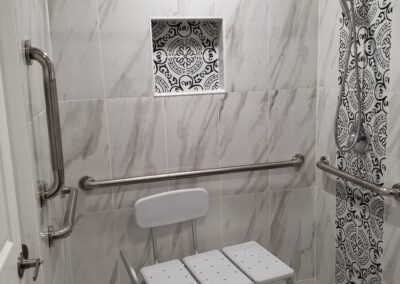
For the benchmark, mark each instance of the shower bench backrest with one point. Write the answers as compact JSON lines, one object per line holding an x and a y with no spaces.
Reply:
{"x":170,"y":208}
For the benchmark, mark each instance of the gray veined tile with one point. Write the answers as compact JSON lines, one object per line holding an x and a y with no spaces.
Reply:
{"x":293,"y":44}
{"x":292,"y":131}
{"x":101,"y":272}
{"x":76,"y":49}
{"x":243,"y":122}
{"x":325,"y":140}
{"x":391,"y":263}
{"x":244,"y":140}
{"x":126,"y":47}
{"x":137,"y":136}
{"x":192,"y":132}
{"x":245,"y":218}
{"x":94,"y":239}
{"x":325,"y":236}
{"x":186,"y":8}
{"x":246,"y":43}
{"x":328,"y":43}
{"x":85,"y":141}
{"x":293,"y":229}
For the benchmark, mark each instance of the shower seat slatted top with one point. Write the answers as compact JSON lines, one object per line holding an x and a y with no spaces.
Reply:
{"x":238,"y":264}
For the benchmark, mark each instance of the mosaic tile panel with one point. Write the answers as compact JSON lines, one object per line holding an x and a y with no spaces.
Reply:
{"x":187,"y":56}
{"x":359,"y":212}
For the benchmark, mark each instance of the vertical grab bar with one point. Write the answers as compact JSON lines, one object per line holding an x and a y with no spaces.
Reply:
{"x":53,"y":121}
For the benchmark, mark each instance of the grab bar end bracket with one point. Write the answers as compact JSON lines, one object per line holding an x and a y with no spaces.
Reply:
{"x":83,"y":182}
{"x":299,"y":157}
{"x":27,"y":51}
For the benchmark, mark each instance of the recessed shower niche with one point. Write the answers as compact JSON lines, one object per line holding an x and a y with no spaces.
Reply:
{"x":187,"y":56}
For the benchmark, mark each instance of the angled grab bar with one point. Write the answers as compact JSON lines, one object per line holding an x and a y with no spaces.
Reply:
{"x":131,"y":272}
{"x":53,"y":121}
{"x":87,"y":183}
{"x":323,"y":164}
{"x":69,"y":219}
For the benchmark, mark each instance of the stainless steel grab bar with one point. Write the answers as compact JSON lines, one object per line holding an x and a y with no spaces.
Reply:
{"x":53,"y":120}
{"x":323,"y":164}
{"x":88,"y":183}
{"x":69,"y":219}
{"x":131,"y":272}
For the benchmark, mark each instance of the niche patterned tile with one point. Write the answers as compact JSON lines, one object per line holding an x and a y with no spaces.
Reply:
{"x":359,"y":212}
{"x":187,"y":56}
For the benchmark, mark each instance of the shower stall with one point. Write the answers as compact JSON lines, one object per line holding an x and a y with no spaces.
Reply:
{"x":279,"y":114}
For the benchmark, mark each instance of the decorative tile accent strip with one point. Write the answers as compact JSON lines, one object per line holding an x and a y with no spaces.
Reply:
{"x":187,"y":56}
{"x":359,"y":213}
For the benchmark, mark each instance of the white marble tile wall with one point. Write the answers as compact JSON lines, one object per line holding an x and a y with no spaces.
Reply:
{"x":114,"y":127}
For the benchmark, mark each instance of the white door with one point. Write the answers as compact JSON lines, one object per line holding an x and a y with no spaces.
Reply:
{"x":10,"y":235}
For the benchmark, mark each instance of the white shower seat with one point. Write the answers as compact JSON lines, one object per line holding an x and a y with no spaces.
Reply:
{"x":257,"y":263}
{"x":245,"y":263}
{"x":170,"y":272}
{"x":213,"y":267}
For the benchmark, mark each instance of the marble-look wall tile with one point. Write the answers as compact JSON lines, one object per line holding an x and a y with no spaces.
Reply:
{"x":391,"y":260}
{"x":126,"y":196}
{"x":328,"y":43}
{"x":293,"y":44}
{"x":85,"y":141}
{"x":186,"y":8}
{"x":246,"y":43}
{"x":245,"y":218}
{"x":292,"y":223}
{"x":99,"y":272}
{"x":192,"y":132}
{"x":137,"y":136}
{"x":325,"y":143}
{"x":209,"y":234}
{"x":126,"y":46}
{"x":243,"y":124}
{"x":76,"y":49}
{"x":292,"y":131}
{"x":93,"y":240}
{"x":31,"y":23}
{"x":243,"y":121}
{"x":86,"y":150}
{"x":325,"y":235}
{"x":210,"y":183}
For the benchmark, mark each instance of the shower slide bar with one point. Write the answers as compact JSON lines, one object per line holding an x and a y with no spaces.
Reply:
{"x":323,"y":164}
{"x":88,"y":183}
{"x":53,"y":121}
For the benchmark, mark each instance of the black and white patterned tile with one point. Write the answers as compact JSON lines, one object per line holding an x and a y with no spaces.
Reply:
{"x":359,"y":212}
{"x":186,"y":55}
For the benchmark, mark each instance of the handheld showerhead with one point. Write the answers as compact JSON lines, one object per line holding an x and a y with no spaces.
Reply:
{"x":345,"y":8}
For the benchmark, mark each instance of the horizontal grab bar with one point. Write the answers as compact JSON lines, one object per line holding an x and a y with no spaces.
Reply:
{"x":69,"y":219}
{"x":323,"y":164}
{"x":53,"y":120}
{"x":88,"y":183}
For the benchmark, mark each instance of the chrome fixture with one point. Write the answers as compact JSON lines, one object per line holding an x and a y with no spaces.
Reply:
{"x":53,"y":121}
{"x":131,"y":272}
{"x":323,"y":164}
{"x":88,"y":183}
{"x":24,"y":263}
{"x":69,"y":219}
{"x":359,"y":139}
